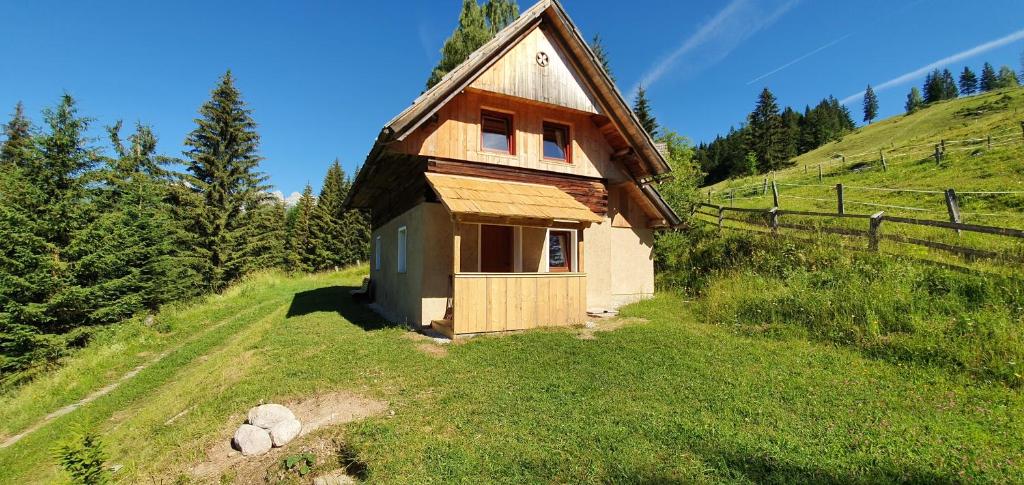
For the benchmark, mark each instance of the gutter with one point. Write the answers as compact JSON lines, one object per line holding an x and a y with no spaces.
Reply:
{"x":670,"y":215}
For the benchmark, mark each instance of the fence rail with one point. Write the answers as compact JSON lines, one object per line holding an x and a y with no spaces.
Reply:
{"x":873,"y":231}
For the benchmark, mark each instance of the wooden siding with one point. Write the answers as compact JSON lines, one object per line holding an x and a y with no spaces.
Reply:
{"x":456,"y":135}
{"x":499,"y":302}
{"x":518,"y":74}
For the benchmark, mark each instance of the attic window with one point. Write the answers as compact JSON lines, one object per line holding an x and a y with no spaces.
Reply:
{"x":496,"y":132}
{"x":556,"y":142}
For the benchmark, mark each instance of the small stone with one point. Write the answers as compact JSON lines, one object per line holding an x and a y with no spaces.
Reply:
{"x":284,"y":432}
{"x":251,"y":440}
{"x":267,"y":416}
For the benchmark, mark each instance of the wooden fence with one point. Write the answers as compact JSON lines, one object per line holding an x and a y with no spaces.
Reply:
{"x":873,"y":231}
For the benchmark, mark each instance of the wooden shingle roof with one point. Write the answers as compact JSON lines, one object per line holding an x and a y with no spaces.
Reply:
{"x":470,"y":196}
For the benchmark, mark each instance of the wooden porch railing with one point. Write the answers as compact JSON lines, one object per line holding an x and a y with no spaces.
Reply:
{"x":497,"y":302}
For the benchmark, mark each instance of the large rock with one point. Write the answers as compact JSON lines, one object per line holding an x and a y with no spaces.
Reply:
{"x":284,"y":432}
{"x":252,"y":440}
{"x":269,"y":415}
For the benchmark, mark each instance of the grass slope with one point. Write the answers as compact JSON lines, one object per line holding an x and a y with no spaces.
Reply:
{"x":669,"y":399}
{"x":967,"y":167}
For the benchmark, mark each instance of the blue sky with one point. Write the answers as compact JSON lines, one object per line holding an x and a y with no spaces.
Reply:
{"x":323,"y":76}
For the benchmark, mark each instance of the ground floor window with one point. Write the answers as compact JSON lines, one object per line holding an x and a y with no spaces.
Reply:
{"x":402,"y":248}
{"x":376,"y":253}
{"x":560,"y":251}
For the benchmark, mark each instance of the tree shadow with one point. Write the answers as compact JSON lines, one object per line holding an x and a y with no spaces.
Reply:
{"x":336,"y":299}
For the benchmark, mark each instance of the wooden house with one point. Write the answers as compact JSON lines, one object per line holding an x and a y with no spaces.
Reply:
{"x":518,"y":192}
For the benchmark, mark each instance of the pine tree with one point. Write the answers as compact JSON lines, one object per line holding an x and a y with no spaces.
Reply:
{"x":949,"y":90}
{"x":642,"y":110}
{"x":17,"y":145}
{"x":968,"y":82}
{"x":332,"y":247}
{"x":933,"y":88}
{"x":301,"y":250}
{"x":134,"y":256}
{"x":870,"y":105}
{"x":989,"y":81}
{"x":1006,"y":78}
{"x":597,"y":46}
{"x":477,"y":25}
{"x":223,"y":163}
{"x":765,"y":137}
{"x":914,"y":100}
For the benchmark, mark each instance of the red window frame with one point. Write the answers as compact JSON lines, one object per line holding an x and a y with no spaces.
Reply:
{"x":510,"y":136}
{"x":568,"y":141}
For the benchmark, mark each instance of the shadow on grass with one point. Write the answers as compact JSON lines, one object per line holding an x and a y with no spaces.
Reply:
{"x":336,"y":299}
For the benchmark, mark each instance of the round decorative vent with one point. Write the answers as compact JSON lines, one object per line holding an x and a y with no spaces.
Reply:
{"x":542,"y":59}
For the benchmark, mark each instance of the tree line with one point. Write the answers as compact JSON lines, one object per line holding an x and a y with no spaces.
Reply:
{"x":771,"y":137}
{"x":940,"y":86}
{"x":90,"y":237}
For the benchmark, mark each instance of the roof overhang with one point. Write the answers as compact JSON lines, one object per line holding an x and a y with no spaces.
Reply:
{"x":472,"y":199}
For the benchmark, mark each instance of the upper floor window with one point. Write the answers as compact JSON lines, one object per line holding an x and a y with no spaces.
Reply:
{"x":556,"y":142}
{"x":496,"y":133}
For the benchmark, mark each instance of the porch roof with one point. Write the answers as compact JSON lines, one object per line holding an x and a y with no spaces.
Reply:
{"x":471,"y":196}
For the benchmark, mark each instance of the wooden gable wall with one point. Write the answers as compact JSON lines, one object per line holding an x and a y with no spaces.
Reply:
{"x":519,"y":74}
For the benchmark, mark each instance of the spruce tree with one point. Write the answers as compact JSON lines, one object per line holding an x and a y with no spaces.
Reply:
{"x":870,"y":105}
{"x":223,"y":161}
{"x":968,"y":82}
{"x":766,"y":134}
{"x":477,"y":25}
{"x":135,"y":256}
{"x":1006,"y":78}
{"x":914,"y":100}
{"x":17,"y":145}
{"x":933,"y":88}
{"x":332,"y":247}
{"x":265,"y":236}
{"x":989,"y":81}
{"x":301,"y":250}
{"x":949,"y":90}
{"x":642,"y":110}
{"x":597,"y":46}
{"x":791,"y":122}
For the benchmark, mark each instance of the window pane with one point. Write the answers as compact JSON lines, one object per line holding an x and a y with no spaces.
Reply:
{"x":555,"y":141}
{"x":495,"y":141}
{"x":556,"y":251}
{"x":496,"y":133}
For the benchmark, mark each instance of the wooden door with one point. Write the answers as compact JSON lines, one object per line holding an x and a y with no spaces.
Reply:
{"x":496,"y":249}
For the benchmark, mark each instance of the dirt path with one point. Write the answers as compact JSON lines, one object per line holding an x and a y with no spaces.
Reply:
{"x":114,"y":385}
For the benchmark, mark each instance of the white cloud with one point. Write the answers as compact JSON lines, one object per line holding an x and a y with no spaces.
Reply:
{"x":917,"y":73}
{"x":289,"y":201}
{"x":718,"y":37}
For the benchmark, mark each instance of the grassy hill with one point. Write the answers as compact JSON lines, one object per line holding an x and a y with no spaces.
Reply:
{"x":913,"y":184}
{"x":653,"y":397}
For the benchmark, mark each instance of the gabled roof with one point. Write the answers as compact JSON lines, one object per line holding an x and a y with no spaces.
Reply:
{"x":645,"y":160}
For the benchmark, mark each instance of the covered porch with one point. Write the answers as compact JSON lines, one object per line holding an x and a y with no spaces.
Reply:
{"x":517,"y":255}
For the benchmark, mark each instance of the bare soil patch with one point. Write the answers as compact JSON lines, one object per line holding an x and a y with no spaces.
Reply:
{"x":606,"y":325}
{"x":315,"y":412}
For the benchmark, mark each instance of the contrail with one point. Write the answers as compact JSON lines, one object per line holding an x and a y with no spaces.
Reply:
{"x":739,"y":20}
{"x":910,"y":76}
{"x":798,"y":59}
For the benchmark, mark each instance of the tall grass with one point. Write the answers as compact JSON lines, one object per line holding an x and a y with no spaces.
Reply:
{"x":894,"y":308}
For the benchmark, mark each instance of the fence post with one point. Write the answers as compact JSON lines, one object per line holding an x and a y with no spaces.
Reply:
{"x":953,"y":207}
{"x":844,"y":161}
{"x":1022,"y":129}
{"x":876,"y":223}
{"x":773,"y":218}
{"x":881,"y":156}
{"x":764,"y":187}
{"x":942,"y":143}
{"x":839,"y":196}
{"x":721,"y":217}
{"x":732,"y":197}
{"x":775,"y":194}
{"x":938,"y":156}
{"x":819,"y":173}
{"x":805,"y":169}
{"x":989,"y":142}
{"x":709,"y":195}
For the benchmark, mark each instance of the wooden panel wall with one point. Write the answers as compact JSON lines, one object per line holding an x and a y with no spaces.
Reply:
{"x":519,"y":74}
{"x":456,"y":135}
{"x":489,"y":302}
